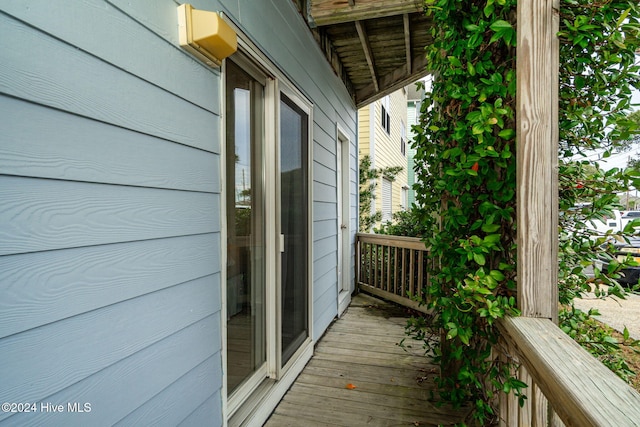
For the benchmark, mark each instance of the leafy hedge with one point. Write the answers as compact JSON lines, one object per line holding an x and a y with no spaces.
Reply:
{"x":466,"y":169}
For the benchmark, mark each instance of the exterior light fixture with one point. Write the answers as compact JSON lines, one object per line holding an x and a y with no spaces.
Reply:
{"x":205,"y":35}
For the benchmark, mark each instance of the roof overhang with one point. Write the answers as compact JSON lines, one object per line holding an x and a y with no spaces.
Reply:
{"x":375,"y":46}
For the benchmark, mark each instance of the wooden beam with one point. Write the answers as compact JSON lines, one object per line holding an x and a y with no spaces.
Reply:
{"x":392,"y":82}
{"x":407,"y":40}
{"x":537,"y":157}
{"x":402,"y":301}
{"x":329,"y":51}
{"x":366,"y":47}
{"x":329,"y":12}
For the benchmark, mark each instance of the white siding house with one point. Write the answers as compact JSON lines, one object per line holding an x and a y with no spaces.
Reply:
{"x":383,"y":137}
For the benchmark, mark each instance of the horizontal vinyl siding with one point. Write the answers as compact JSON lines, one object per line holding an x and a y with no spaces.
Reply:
{"x":77,"y":149}
{"x":110,"y":221}
{"x":110,"y":218}
{"x":36,"y":285}
{"x":86,"y":214}
{"x":102,"y":28}
{"x":64,"y":77}
{"x":193,"y":386}
{"x":364,"y":129}
{"x":387,"y":147}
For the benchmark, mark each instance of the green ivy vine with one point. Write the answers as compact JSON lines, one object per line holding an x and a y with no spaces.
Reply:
{"x":368,"y":182}
{"x":466,"y":168}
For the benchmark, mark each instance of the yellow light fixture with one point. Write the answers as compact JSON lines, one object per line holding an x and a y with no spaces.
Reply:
{"x":205,"y":35}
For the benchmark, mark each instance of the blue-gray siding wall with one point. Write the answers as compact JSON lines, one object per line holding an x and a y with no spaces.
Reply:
{"x":110,"y":205}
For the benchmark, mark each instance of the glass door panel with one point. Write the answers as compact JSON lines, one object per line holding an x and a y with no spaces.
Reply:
{"x":293,"y":222}
{"x":246,"y":331}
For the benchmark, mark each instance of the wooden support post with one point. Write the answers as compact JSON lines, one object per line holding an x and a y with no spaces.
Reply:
{"x":537,"y":173}
{"x":537,"y":158}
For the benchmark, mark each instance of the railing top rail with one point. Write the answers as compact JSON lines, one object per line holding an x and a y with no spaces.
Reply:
{"x":581,"y":390}
{"x":396,"y":241}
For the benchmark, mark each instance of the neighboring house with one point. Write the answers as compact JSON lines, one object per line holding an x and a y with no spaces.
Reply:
{"x":382,"y":136}
{"x":415,"y":97}
{"x":175,"y":237}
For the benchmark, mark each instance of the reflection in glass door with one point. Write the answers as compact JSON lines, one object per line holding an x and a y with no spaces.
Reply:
{"x":293,"y":222}
{"x":246,"y":331}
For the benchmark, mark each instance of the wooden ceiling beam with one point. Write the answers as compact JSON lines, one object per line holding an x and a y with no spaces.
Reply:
{"x":329,"y":12}
{"x":368,"y":53}
{"x":392,"y":82}
{"x":407,"y":40}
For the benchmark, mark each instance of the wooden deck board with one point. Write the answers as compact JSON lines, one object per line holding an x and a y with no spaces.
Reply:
{"x":392,"y":386}
{"x":399,"y":376}
{"x":389,"y":348}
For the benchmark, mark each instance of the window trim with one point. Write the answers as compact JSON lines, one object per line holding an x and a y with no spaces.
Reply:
{"x":403,"y":138}
{"x":385,"y":119}
{"x":387,"y":183}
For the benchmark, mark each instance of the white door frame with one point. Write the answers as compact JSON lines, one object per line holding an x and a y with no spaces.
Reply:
{"x":343,"y":172}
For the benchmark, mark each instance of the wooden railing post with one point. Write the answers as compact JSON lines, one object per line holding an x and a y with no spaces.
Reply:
{"x":537,"y":157}
{"x":537,"y":182}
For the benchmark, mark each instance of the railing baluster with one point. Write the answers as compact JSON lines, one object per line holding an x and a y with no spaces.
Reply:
{"x":375,"y":268}
{"x":403,"y":284}
{"x":395,"y":270}
{"x":381,"y":270}
{"x":370,"y":266}
{"x":389,"y":287}
{"x":412,"y":259}
{"x":420,"y":273}
{"x":358,"y":260}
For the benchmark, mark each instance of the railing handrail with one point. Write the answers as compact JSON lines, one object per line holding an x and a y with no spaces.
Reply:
{"x":395,"y":241}
{"x":579,"y":388}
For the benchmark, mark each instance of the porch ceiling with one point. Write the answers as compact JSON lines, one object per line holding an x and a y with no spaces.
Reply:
{"x":375,"y":46}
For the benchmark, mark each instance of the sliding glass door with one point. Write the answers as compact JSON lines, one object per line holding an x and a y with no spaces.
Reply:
{"x":294,"y":219}
{"x":267,"y":228}
{"x":246,"y":321}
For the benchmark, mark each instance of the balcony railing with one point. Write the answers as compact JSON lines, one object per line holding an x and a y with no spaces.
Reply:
{"x":567,"y":385}
{"x":392,"y":267}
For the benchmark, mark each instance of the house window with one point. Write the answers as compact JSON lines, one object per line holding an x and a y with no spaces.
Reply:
{"x":403,"y":138}
{"x":387,"y":197}
{"x":405,"y":197}
{"x":385,"y":119}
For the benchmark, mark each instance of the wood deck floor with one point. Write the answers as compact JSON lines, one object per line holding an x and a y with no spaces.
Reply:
{"x":392,"y":386}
